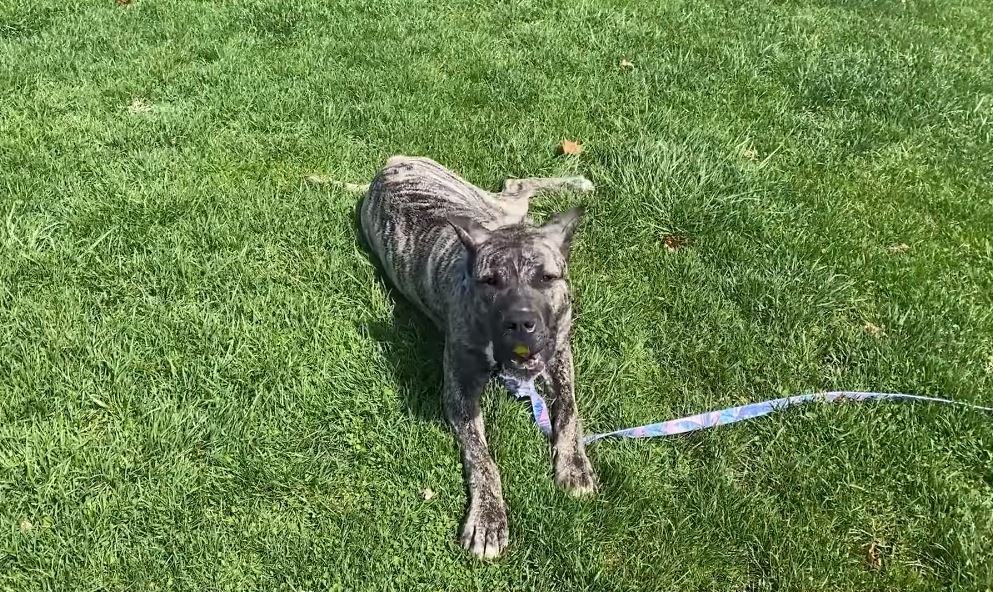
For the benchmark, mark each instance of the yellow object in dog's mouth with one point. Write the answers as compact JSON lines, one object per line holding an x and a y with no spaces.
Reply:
{"x":521,"y":350}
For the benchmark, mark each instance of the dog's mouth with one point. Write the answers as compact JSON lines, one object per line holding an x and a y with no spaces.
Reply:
{"x":533,"y":363}
{"x":527,"y":365}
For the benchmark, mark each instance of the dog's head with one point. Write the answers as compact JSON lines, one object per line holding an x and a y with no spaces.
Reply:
{"x":518,"y":287}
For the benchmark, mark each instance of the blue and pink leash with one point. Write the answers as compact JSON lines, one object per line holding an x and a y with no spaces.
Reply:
{"x":710,"y":419}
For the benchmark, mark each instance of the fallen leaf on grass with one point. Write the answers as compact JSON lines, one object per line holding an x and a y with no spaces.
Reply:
{"x":139,"y":105}
{"x":571,"y":147}
{"x":675,"y":242}
{"x":124,"y":2}
{"x":626,"y":64}
{"x":901,"y":248}
{"x":427,"y":493}
{"x":874,"y":329}
{"x":874,"y":556}
{"x":26,"y":525}
{"x":750,"y":153}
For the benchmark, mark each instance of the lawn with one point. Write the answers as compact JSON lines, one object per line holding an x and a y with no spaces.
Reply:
{"x":204,"y":385}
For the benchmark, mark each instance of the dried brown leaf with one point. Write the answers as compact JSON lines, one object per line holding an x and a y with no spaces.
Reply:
{"x":874,"y":330}
{"x":874,"y":555}
{"x":675,"y":242}
{"x":571,"y":147}
{"x":626,"y":65}
{"x":26,"y":525}
{"x":900,"y":248}
{"x":140,"y":105}
{"x":427,"y":493}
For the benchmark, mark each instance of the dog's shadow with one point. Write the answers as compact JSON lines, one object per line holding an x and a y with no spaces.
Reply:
{"x":414,"y":350}
{"x":412,"y":345}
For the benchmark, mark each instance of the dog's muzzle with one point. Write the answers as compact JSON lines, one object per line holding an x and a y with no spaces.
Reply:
{"x":522,"y":334}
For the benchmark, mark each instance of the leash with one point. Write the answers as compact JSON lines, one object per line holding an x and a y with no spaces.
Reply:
{"x":522,"y":389}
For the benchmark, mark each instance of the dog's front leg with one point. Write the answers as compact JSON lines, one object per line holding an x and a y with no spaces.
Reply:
{"x":484,"y":531}
{"x":573,"y":470}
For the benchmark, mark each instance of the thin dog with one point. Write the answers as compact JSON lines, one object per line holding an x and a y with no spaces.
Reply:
{"x":497,"y":286}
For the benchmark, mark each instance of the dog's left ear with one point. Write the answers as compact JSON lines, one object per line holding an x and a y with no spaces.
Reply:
{"x":560,"y":228}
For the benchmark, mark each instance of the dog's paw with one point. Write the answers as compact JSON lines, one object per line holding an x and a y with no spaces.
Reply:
{"x":575,"y":474}
{"x":485,"y":530}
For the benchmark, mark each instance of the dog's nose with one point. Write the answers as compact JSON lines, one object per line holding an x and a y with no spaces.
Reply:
{"x":521,"y":321}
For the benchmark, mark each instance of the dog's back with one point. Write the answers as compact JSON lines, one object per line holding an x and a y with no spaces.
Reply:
{"x":404,"y":218}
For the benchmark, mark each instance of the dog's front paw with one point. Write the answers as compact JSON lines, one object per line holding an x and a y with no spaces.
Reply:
{"x":485,"y":530}
{"x":574,"y":473}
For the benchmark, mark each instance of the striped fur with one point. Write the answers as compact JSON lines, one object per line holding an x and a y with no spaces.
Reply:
{"x":468,"y":258}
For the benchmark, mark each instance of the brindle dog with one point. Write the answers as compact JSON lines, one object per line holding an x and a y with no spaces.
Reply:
{"x":497,"y":287}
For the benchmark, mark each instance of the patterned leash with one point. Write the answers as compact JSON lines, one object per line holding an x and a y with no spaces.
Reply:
{"x":701,"y":421}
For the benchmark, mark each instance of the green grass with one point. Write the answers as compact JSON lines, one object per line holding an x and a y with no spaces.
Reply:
{"x":205,"y":386}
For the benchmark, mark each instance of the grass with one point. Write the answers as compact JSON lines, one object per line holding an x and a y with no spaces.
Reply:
{"x":204,"y":385}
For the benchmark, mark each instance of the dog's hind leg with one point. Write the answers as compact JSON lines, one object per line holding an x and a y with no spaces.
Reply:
{"x":517,"y":193}
{"x":528,"y":188}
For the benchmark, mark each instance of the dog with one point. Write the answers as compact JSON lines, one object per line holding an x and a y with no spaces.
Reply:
{"x":497,"y":286}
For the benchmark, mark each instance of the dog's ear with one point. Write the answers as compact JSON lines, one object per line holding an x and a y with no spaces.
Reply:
{"x":560,"y":228}
{"x":471,"y":233}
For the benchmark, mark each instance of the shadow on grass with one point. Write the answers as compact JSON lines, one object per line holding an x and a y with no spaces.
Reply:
{"x":412,"y":344}
{"x":414,"y":348}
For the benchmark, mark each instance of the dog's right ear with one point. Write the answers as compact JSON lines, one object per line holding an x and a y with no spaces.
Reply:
{"x":471,"y":233}
{"x":560,"y":228}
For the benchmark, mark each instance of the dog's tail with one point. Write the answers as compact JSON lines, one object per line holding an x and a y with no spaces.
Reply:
{"x":350,"y":187}
{"x":353,"y":187}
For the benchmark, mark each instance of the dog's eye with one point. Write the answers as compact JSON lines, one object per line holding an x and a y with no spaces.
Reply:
{"x":547,"y":277}
{"x":489,"y":280}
